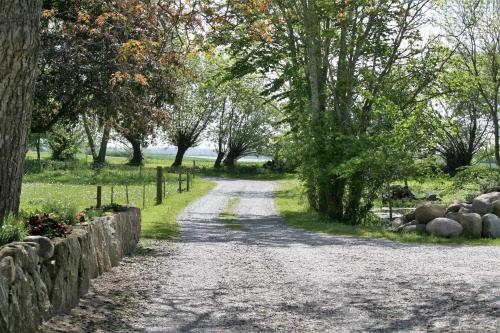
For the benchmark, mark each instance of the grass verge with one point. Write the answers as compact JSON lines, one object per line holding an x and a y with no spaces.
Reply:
{"x":294,"y":209}
{"x":159,"y":222}
{"x":228,"y":216}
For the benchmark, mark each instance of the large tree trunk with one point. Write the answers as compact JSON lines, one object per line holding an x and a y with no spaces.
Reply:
{"x":137,"y":156}
{"x":181,"y":150}
{"x":218,"y":161}
{"x":101,"y":157}
{"x":19,"y":43}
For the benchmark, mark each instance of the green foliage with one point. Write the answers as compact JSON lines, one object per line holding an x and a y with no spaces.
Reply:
{"x":63,"y":212}
{"x":12,"y":230}
{"x":64,"y":141}
{"x":483,"y":178}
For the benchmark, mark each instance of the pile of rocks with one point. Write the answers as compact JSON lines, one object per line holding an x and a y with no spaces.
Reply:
{"x":473,"y":220}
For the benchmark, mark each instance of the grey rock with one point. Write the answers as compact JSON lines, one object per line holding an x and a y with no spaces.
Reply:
{"x":454,"y":207}
{"x":465,"y":210}
{"x":496,"y":207}
{"x":428,"y":212}
{"x":444,"y":227}
{"x":483,"y":204}
{"x":491,"y":226}
{"x":472,"y":224}
{"x":432,"y":197}
{"x":409,"y":228}
{"x":421,"y":229}
{"x":7,"y":269}
{"x":46,"y":248}
{"x":453,"y":216}
{"x":398,"y":222}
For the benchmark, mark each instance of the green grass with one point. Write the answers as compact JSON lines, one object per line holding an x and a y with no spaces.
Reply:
{"x":159,"y":222}
{"x":228,"y":216}
{"x":293,"y":207}
{"x":75,"y":183}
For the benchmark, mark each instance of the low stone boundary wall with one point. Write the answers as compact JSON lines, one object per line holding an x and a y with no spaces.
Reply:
{"x":38,"y":281}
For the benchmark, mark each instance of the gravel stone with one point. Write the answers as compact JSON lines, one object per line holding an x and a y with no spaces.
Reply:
{"x":272,"y":278}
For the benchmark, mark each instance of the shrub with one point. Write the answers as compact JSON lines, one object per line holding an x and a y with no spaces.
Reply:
{"x":46,"y":225}
{"x":62,"y":212}
{"x":484,"y":178}
{"x":12,"y":230}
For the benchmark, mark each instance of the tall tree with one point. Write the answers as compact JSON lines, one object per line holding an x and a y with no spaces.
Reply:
{"x":194,"y":107}
{"x":19,"y":43}
{"x":358,"y":68}
{"x":472,"y":27}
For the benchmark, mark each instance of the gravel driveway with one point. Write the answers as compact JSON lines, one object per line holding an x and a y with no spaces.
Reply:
{"x":272,"y":278}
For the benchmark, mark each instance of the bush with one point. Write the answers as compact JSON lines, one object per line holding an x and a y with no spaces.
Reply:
{"x":12,"y":230}
{"x":483,"y":177}
{"x":46,"y":225}
{"x":62,"y":212}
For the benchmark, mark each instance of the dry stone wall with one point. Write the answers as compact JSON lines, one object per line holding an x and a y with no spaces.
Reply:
{"x":40,"y":278}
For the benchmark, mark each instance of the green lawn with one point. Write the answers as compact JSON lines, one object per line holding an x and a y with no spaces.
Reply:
{"x":293,"y":207}
{"x":75,"y":183}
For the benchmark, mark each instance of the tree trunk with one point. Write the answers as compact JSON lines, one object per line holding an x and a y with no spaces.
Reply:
{"x":137,"y":156}
{"x":229,"y":162}
{"x":218,"y":161}
{"x":90,"y":139}
{"x":101,"y":157}
{"x":38,"y":149}
{"x":181,"y":150}
{"x":497,"y":138}
{"x":19,"y":43}
{"x":335,"y":197}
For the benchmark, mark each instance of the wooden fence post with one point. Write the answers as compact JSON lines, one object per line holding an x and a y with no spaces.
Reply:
{"x":194,"y":168}
{"x":143,"y":196}
{"x":180,"y":182}
{"x":112,"y":194}
{"x":99,"y":197}
{"x":126,"y":194}
{"x":187,"y":180}
{"x":159,"y":185}
{"x":164,"y":186}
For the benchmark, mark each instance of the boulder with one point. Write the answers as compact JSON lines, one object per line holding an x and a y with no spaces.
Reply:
{"x":464,"y":210}
{"x":408,"y":228}
{"x":453,"y":216}
{"x":496,"y":207}
{"x":428,"y":212}
{"x":444,"y":227}
{"x":454,"y":207}
{"x":491,"y":226}
{"x":421,"y":229}
{"x":408,"y":217}
{"x":400,"y":228}
{"x":396,"y":223}
{"x":432,"y":197}
{"x":46,"y":247}
{"x":483,"y":204}
{"x":472,"y":224}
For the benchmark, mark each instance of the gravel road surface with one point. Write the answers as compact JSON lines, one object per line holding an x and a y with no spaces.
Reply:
{"x":271,"y":278}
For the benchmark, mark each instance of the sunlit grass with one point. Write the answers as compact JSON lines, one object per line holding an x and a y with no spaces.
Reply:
{"x":230,"y":213}
{"x":294,"y":209}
